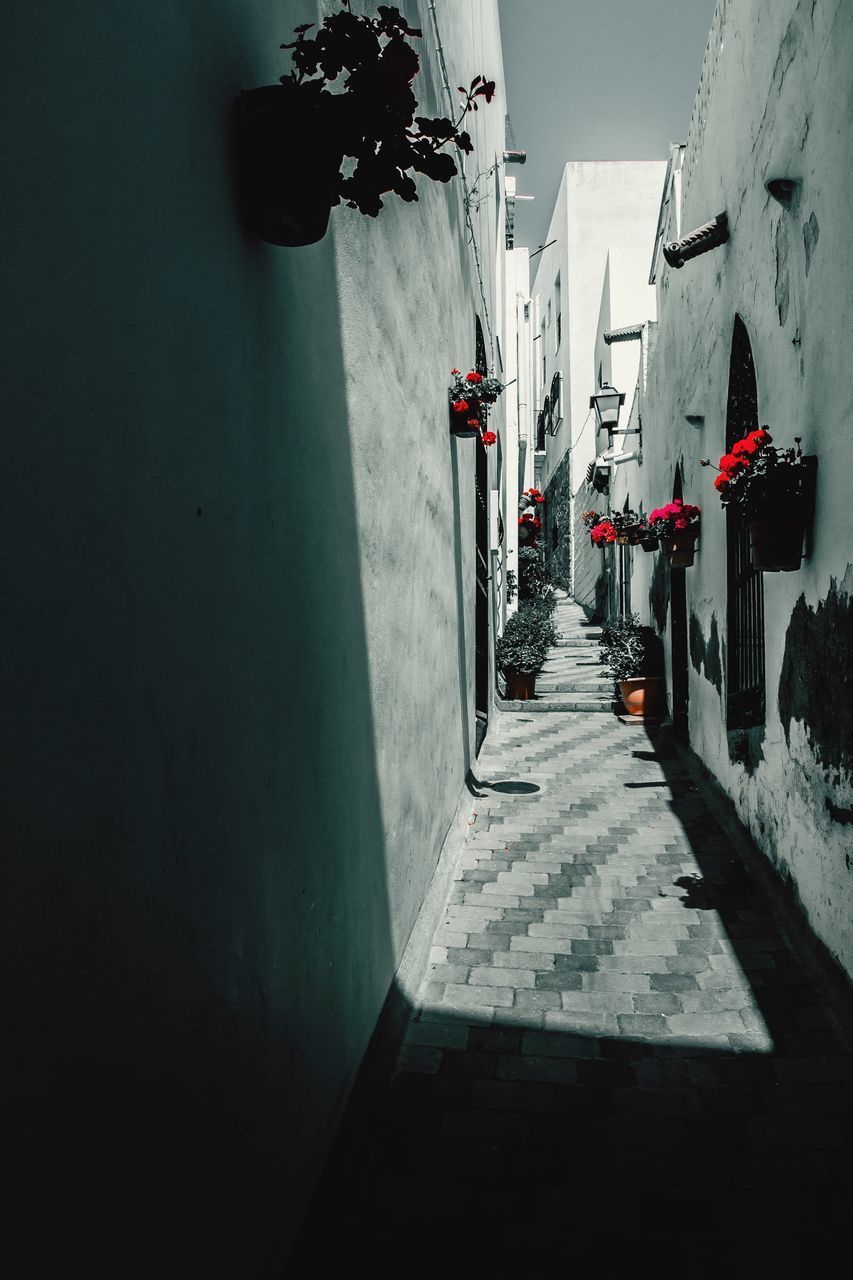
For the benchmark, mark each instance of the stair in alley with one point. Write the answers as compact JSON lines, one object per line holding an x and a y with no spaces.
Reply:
{"x":572,"y":678}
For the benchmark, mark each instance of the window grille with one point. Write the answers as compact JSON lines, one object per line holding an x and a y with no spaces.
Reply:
{"x":745,"y":587}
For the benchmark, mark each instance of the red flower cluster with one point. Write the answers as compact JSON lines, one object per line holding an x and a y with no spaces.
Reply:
{"x":472,"y":377}
{"x":529,"y":519}
{"x":460,"y":406}
{"x":488,"y":437}
{"x":740,"y":458}
{"x":604,"y":532}
{"x":535,"y":495}
{"x":674,"y":517}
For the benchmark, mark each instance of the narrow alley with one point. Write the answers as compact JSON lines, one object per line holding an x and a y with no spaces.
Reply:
{"x":623,"y":1036}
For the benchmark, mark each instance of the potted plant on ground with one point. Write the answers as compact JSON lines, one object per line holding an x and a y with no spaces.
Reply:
{"x":633,"y":654}
{"x":677,"y":526}
{"x":293,"y":136}
{"x":470,"y":397}
{"x":520,"y":653}
{"x":772,"y":491}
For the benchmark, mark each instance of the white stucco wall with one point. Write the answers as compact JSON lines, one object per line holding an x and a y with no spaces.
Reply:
{"x":776,"y":99}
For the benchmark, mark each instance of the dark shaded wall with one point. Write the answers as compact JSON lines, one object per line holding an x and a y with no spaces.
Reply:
{"x":237,"y":570}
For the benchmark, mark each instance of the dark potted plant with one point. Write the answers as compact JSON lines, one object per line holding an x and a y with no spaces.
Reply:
{"x":677,"y":526}
{"x":521,"y":651}
{"x":627,"y":526}
{"x":772,"y":491}
{"x":649,"y":540}
{"x":471,"y":397}
{"x":633,"y":654}
{"x":293,"y":136}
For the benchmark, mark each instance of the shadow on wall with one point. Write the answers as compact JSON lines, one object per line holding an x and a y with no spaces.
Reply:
{"x":196,"y":908}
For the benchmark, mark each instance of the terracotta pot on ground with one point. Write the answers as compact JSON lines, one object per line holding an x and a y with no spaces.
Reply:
{"x":644,"y":696}
{"x":776,"y":546}
{"x":290,"y":161}
{"x":520,"y":685}
{"x":680,"y":550}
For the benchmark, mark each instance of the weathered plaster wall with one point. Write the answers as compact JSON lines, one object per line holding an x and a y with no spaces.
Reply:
{"x":776,"y":99}
{"x":238,"y":620}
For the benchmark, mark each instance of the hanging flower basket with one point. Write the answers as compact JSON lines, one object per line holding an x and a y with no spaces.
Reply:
{"x":648,"y":541}
{"x":772,"y":491}
{"x":464,"y":421}
{"x":293,"y":136}
{"x":627,"y":526}
{"x":603,"y":533}
{"x":677,"y":527}
{"x":470,"y":397}
{"x":287,"y":204}
{"x":680,"y":551}
{"x":776,"y":545}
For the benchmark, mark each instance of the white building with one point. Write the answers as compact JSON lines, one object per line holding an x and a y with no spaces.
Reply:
{"x":594,"y":267}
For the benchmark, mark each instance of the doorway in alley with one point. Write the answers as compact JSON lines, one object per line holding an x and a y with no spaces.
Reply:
{"x":481,"y":614}
{"x":678,"y":639}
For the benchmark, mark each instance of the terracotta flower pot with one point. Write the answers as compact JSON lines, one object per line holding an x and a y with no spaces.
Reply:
{"x":644,"y":696}
{"x":290,"y":159}
{"x":520,"y":685}
{"x":776,"y":546}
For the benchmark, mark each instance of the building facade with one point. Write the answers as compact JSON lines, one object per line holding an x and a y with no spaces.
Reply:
{"x":594,"y":266}
{"x":754,"y":331}
{"x":250,"y":619}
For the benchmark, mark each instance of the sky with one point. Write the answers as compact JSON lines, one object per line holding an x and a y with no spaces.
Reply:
{"x":596,"y":80}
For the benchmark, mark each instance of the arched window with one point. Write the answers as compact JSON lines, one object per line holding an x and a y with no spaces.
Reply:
{"x":745,"y":587}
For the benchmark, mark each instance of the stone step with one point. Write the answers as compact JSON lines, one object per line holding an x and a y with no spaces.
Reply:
{"x":605,"y":690}
{"x":558,"y":702}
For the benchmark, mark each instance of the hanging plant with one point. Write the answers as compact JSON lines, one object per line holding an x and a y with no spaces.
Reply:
{"x":295,"y":135}
{"x":628,"y":527}
{"x":603,"y":533}
{"x":470,"y":398}
{"x":772,"y":492}
{"x":677,"y":527}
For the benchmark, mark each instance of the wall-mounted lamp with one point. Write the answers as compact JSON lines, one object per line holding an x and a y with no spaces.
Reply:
{"x":607,"y":402}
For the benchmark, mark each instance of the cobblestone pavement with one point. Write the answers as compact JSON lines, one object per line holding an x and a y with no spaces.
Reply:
{"x":619,"y":1040}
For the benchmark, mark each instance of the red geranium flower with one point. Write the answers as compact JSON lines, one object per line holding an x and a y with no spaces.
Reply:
{"x":761,"y":436}
{"x":488,"y":437}
{"x":473,"y":422}
{"x":744,"y":449}
{"x":460,"y":406}
{"x":455,"y":370}
{"x":681,"y":523}
{"x":473,"y":377}
{"x":731,"y":464}
{"x":721,"y":483}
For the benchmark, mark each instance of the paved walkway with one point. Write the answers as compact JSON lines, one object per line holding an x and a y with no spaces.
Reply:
{"x":617,"y":1043}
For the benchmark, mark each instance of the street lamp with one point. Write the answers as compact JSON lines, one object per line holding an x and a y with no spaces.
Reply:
{"x":607,"y":402}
